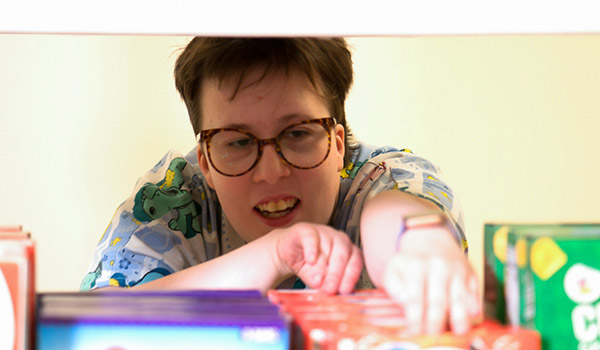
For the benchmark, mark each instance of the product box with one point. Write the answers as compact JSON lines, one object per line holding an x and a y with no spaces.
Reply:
{"x":552,"y":283}
{"x":201,"y":319}
{"x":494,"y":248}
{"x":371,"y":320}
{"x":17,"y":288}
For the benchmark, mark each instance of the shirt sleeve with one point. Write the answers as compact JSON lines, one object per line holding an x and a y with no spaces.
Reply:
{"x":418,"y":176}
{"x":170,"y":221}
{"x":375,"y":170}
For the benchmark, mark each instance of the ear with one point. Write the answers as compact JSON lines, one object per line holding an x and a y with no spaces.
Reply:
{"x":204,"y":167}
{"x":339,"y":146}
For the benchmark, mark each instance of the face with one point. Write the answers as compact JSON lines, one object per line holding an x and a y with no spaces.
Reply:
{"x":273,"y":194}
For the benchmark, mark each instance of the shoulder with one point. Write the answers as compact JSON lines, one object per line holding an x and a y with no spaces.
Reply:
{"x":366,"y":151}
{"x":373,"y":155}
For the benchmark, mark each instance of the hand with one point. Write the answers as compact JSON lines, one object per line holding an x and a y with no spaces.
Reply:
{"x":324,"y":258}
{"x":432,"y":278}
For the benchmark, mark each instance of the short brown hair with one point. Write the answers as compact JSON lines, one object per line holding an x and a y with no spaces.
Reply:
{"x":327,"y":62}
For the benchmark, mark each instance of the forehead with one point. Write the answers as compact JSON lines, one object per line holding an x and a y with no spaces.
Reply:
{"x":258,"y":94}
{"x":262,"y":78}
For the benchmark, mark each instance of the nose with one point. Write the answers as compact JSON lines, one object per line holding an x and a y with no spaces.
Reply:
{"x":270,"y":166}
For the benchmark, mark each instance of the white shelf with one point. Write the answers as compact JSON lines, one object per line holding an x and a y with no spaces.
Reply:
{"x":300,"y":17}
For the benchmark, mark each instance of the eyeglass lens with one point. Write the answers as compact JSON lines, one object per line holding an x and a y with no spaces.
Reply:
{"x":301,"y":145}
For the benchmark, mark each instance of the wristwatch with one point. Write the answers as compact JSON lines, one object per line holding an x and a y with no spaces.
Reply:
{"x":426,"y":219}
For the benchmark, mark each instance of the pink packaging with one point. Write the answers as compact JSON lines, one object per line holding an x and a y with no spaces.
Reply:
{"x":17,"y":288}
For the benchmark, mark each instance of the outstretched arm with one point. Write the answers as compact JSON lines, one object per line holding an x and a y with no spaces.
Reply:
{"x":425,"y":269}
{"x":321,"y":256}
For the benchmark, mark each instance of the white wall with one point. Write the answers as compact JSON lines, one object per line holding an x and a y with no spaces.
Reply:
{"x":511,"y":120}
{"x":81,"y":118}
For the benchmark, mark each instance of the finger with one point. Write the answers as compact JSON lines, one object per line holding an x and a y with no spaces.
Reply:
{"x":459,"y":320}
{"x":338,"y":258}
{"x":393,"y":280}
{"x":436,"y":304}
{"x":474,"y":303}
{"x":313,"y":274}
{"x":310,"y":245}
{"x":352,"y":271}
{"x":414,"y":285}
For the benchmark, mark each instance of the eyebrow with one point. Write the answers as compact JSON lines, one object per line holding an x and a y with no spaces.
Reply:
{"x":284,"y":120}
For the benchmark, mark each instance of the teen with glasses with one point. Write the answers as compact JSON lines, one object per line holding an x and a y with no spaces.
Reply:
{"x":278,"y":193}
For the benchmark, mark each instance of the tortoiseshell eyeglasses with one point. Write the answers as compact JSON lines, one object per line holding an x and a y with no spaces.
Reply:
{"x":303,"y":145}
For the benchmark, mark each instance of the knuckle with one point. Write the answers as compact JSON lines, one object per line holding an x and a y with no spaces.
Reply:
{"x":332,"y":279}
{"x":458,"y":292}
{"x":410,"y":264}
{"x":439,"y":266}
{"x":435,"y":316}
{"x":413,"y":295}
{"x":340,"y":258}
{"x":342,"y":238}
{"x":305,"y":231}
{"x":458,"y":315}
{"x":436,"y":294}
{"x":301,"y":227}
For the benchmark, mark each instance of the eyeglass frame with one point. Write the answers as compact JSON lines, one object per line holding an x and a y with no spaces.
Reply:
{"x":326,"y":123}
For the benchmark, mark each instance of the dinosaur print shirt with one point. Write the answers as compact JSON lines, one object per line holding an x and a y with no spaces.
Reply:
{"x":173,"y":219}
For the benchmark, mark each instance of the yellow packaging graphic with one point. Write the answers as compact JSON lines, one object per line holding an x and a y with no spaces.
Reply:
{"x":546,"y":257}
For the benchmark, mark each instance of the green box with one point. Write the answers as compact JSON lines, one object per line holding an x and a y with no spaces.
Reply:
{"x":552,"y":283}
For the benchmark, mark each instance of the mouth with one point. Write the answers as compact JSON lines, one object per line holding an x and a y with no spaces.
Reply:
{"x":277,"y":209}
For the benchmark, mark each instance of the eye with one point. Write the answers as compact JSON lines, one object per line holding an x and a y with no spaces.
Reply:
{"x":303,"y":137}
{"x":296,"y":133}
{"x":239,"y":143}
{"x":152,"y":210}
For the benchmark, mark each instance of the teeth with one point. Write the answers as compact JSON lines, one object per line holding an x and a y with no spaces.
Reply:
{"x":272,"y":206}
{"x":280,"y":205}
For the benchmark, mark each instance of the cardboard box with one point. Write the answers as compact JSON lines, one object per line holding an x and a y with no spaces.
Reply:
{"x":370,"y":320}
{"x":552,"y":283}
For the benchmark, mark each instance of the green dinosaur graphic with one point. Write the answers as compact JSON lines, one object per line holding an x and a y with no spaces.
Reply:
{"x":155,"y":200}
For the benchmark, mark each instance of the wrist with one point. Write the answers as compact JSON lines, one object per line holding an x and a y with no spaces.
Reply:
{"x":423,"y":225}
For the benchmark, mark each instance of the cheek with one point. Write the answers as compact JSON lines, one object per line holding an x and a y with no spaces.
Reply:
{"x":324,"y":184}
{"x":233,"y":195}
{"x":230,"y":193}
{"x":323,"y":193}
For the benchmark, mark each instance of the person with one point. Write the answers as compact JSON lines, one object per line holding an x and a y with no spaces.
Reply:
{"x":279,"y":194}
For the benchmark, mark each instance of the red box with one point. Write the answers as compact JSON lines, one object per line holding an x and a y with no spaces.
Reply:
{"x":370,"y":320}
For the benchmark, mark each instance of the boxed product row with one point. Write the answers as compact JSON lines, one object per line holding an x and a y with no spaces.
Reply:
{"x":371,"y":320}
{"x":546,"y":277}
{"x":134,"y":320}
